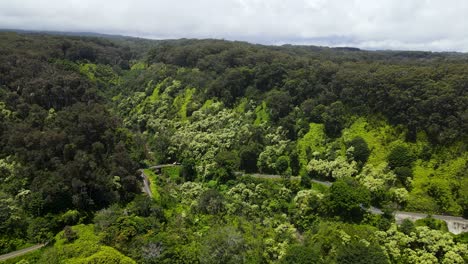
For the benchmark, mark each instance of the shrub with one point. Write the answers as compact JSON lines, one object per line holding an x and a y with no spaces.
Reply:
{"x":69,"y":234}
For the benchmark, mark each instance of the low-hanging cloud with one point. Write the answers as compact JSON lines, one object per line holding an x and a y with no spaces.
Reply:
{"x":438,"y":25}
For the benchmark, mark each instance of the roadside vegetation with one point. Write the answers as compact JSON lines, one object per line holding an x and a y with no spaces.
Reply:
{"x":79,"y":117}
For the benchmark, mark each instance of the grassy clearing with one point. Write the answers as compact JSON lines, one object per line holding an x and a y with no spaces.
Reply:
{"x":313,"y":141}
{"x":182,"y":101}
{"x":445,"y":168}
{"x":138,"y":66}
{"x":379,"y":135}
{"x":152,"y":178}
{"x":261,"y":113}
{"x":86,"y":248}
{"x":319,"y":187}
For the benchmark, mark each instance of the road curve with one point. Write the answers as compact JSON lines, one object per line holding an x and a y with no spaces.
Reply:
{"x":146,"y":188}
{"x":456,"y":225}
{"x":20,"y":252}
{"x":146,"y":183}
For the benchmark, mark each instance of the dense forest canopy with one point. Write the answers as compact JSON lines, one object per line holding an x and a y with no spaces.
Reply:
{"x":421,"y":91}
{"x":80,"y":116}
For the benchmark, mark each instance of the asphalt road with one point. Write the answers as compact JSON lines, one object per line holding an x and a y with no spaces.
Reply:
{"x":20,"y":252}
{"x":146,"y":189}
{"x":455,"y":224}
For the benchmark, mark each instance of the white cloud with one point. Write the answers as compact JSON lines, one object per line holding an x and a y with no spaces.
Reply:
{"x":388,"y":24}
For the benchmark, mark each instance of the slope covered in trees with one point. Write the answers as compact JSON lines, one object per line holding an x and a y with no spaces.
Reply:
{"x":80,"y":115}
{"x":396,"y":123}
{"x":63,"y":153}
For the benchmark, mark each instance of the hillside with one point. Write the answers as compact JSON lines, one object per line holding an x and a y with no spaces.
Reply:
{"x":80,"y":115}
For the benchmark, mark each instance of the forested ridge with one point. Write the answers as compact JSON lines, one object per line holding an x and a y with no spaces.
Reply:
{"x":81,"y":115}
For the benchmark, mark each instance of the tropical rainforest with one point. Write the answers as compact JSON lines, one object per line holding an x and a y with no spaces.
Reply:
{"x":274,"y":154}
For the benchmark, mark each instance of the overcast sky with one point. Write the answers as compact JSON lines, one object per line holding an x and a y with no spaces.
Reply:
{"x":437,"y":25}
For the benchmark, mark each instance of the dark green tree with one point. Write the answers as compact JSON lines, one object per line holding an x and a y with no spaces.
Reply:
{"x":407,"y":226}
{"x":361,"y":150}
{"x":400,"y":156}
{"x":69,"y":234}
{"x":294,"y":163}
{"x":282,"y":165}
{"x":334,"y":119}
{"x":357,"y":252}
{"x":188,"y":172}
{"x":403,"y":174}
{"x":347,"y":199}
{"x":223,"y":245}
{"x":227,"y":162}
{"x":279,"y":104}
{"x":211,"y":202}
{"x":301,"y":254}
{"x":248,"y":157}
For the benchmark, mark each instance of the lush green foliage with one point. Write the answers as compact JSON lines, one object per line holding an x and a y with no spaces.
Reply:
{"x":79,"y":116}
{"x":63,"y":154}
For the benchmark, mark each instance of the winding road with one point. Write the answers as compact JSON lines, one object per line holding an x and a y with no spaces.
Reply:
{"x":455,"y":224}
{"x":146,"y":189}
{"x":146,"y":183}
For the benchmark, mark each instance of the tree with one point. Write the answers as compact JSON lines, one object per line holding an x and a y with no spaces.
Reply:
{"x":334,"y":119}
{"x":70,"y":217}
{"x":188,"y":172}
{"x":269,"y":76}
{"x":432,"y":223}
{"x":248,"y":157}
{"x":145,"y":206}
{"x":305,"y":206}
{"x":463,"y":200}
{"x":335,"y":169}
{"x":40,"y":230}
{"x":211,"y":202}
{"x":424,"y":245}
{"x":361,"y":150}
{"x":313,"y":111}
{"x":294,"y":163}
{"x":282,"y":165}
{"x":400,"y":156}
{"x":223,"y":245}
{"x":279,"y":103}
{"x":404,"y":175}
{"x":407,"y":226}
{"x":69,"y":234}
{"x":301,"y":254}
{"x":231,"y":85}
{"x":347,"y":199}
{"x":227,"y":163}
{"x":357,"y":252}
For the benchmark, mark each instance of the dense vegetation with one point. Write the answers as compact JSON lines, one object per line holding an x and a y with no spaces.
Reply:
{"x":80,"y":115}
